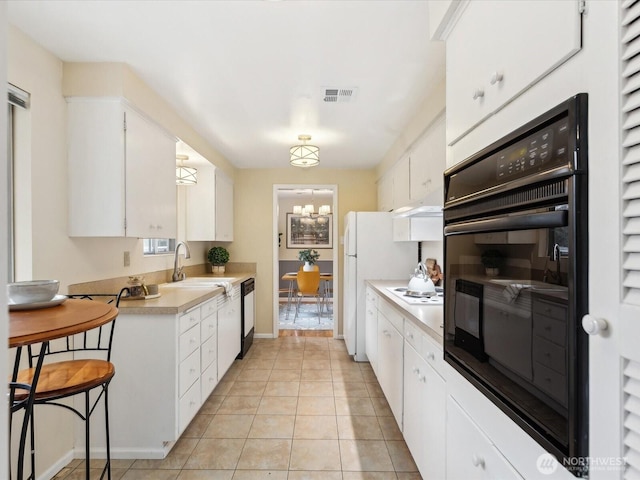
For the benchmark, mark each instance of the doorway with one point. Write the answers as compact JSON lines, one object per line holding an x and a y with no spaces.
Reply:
{"x":303,"y":218}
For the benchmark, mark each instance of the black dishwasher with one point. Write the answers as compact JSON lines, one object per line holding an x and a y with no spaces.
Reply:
{"x":248,"y":313}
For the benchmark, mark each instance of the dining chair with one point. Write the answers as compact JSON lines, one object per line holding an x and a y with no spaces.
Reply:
{"x":308,"y":286}
{"x":81,"y":374}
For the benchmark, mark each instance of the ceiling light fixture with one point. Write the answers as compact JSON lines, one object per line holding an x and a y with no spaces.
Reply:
{"x":304,"y":155}
{"x":185,"y":175}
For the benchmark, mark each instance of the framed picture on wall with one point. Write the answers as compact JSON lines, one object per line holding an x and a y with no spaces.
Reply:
{"x":314,"y":231}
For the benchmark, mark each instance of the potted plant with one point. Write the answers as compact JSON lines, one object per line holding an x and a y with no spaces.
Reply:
{"x":492,"y":261}
{"x":218,"y":257}
{"x":309,"y":257}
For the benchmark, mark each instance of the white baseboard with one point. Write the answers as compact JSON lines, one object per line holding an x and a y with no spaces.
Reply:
{"x":54,"y":469}
{"x":264,"y":335}
{"x":141,"y":453}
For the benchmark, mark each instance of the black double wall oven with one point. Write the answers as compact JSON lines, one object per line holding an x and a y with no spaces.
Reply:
{"x":516,"y":263}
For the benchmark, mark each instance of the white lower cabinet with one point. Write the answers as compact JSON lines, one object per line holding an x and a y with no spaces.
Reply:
{"x":470,"y":453}
{"x":390,"y":360}
{"x":424,"y":410}
{"x":166,"y":368}
{"x":229,"y":330}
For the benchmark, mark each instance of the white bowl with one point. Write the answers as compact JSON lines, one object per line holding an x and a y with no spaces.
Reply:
{"x":33,"y":291}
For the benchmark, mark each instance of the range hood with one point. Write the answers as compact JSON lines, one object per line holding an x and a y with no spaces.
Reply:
{"x":430,"y":206}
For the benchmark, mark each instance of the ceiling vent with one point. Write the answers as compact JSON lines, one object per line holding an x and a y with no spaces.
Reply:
{"x":339,"y":95}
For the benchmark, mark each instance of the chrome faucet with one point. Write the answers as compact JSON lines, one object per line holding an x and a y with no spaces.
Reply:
{"x":178,"y":275}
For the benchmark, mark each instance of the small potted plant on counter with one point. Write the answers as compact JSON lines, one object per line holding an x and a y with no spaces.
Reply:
{"x":309,"y":257}
{"x":218,"y":257}
{"x":492,"y":261}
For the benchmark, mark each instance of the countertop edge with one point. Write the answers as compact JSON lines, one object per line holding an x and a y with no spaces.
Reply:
{"x":174,"y":300}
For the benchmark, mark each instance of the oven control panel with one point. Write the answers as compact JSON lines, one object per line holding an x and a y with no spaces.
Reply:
{"x":545,"y":148}
{"x":534,"y":152}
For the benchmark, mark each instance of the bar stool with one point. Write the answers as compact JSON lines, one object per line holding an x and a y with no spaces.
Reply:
{"x":66,"y":378}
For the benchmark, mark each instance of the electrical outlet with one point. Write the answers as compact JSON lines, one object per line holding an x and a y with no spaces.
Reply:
{"x":127,"y":259}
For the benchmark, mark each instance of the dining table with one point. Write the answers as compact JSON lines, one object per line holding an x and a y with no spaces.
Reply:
{"x":28,"y":327}
{"x":291,"y":277}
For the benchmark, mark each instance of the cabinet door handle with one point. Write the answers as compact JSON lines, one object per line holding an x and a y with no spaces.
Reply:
{"x":431,"y":356}
{"x":496,"y":77}
{"x":415,"y":370}
{"x":594,"y":325}
{"x":477,"y":461}
{"x":422,"y":378}
{"x":478,"y":93}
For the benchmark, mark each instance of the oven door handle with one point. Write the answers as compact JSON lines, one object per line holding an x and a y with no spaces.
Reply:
{"x":558,"y":218}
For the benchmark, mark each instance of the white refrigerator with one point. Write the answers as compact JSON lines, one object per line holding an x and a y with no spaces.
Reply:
{"x":370,"y":254}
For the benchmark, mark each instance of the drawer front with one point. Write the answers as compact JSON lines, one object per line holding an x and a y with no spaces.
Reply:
{"x":188,"y":407}
{"x":431,"y":351}
{"x":548,"y":309}
{"x":550,"y":382}
{"x":208,"y":326}
{"x":188,"y":342}
{"x":208,"y":381}
{"x":189,"y":372}
{"x":412,"y":335}
{"x":394,"y":317}
{"x":189,"y":319}
{"x":208,"y":352}
{"x":208,"y":308}
{"x":549,"y":354}
{"x":550,"y":329}
{"x":372,"y":298}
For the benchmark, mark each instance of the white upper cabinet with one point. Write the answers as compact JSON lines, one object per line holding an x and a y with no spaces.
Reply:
{"x":496,"y":50}
{"x":418,"y":175}
{"x":121,"y":172}
{"x":209,"y":206}
{"x":401,"y":175}
{"x":385,"y":193}
{"x":427,"y":161}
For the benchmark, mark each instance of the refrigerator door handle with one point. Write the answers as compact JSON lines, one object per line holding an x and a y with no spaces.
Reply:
{"x":355,"y":255}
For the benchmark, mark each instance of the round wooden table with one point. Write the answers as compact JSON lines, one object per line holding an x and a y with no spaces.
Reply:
{"x":28,"y":327}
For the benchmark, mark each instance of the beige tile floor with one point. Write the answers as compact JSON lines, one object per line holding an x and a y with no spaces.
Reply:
{"x":296,"y":408}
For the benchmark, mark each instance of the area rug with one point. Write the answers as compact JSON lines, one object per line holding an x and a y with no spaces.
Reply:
{"x":307,"y":318}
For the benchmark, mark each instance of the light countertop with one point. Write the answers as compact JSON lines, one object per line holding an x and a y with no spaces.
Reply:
{"x":429,"y":318}
{"x":176,"y":299}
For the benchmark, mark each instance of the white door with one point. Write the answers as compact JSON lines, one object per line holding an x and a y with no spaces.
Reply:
{"x":614,"y":356}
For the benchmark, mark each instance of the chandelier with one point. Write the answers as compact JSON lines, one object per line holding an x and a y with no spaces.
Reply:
{"x":304,"y":155}
{"x":185,"y":175}
{"x":309,"y":210}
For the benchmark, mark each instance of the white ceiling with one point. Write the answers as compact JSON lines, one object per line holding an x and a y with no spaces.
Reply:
{"x":249,"y":75}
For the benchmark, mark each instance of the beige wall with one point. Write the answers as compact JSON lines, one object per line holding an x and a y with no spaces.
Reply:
{"x":254,"y":235}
